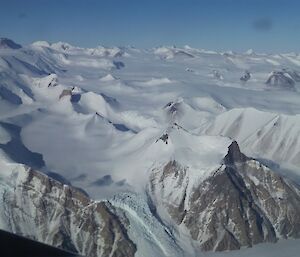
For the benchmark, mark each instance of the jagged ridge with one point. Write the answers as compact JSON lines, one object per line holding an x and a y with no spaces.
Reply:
{"x":40,"y":208}
{"x":242,"y":203}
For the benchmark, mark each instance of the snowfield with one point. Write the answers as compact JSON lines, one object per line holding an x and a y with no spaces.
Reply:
{"x":102,"y":119}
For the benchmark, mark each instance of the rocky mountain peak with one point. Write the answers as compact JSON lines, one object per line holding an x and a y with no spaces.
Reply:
{"x":164,"y":138}
{"x":32,"y":203}
{"x":242,"y":203}
{"x":246,"y":76}
{"x":281,"y":79}
{"x":234,"y":154}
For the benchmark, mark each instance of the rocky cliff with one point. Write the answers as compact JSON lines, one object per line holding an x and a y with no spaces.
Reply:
{"x":242,"y":203}
{"x":40,"y":208}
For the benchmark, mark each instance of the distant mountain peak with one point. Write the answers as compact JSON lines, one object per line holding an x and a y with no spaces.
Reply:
{"x":281,"y":79}
{"x":6,"y":43}
{"x":234,"y":154}
{"x":250,"y":52}
{"x":41,"y":44}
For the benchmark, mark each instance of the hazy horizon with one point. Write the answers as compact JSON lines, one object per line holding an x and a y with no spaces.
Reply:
{"x":264,"y":26}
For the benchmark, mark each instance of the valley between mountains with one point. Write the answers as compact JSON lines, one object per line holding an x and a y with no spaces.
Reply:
{"x":119,"y":151}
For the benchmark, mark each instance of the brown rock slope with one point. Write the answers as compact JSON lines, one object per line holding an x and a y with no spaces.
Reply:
{"x":241,"y":204}
{"x":43,"y":209}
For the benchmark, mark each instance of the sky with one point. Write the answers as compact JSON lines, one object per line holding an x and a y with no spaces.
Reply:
{"x":238,"y":25}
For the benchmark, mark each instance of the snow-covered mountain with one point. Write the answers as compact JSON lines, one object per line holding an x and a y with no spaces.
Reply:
{"x":38,"y":207}
{"x":118,"y":151}
{"x":240,"y":203}
{"x":7,"y":43}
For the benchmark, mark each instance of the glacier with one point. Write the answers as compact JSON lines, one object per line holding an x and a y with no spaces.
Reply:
{"x":79,"y":115}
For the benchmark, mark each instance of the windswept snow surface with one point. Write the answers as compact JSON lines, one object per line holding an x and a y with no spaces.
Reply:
{"x":105,"y":112}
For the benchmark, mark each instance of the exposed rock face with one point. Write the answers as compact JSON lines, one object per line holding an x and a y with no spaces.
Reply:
{"x":173,"y":108}
{"x":164,"y":138}
{"x":240,"y":204}
{"x":281,"y":79}
{"x":35,"y":206}
{"x":294,"y":74}
{"x":53,"y":82}
{"x":246,"y":76}
{"x":234,"y":155}
{"x":174,"y":175}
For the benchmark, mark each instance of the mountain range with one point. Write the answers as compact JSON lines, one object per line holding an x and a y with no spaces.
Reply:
{"x":119,"y":151}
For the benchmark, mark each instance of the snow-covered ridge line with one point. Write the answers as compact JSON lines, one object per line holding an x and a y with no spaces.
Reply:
{"x":115,"y":51}
{"x":156,"y":123}
{"x":222,"y":211}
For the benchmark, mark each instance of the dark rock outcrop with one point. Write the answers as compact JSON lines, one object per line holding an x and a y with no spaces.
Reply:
{"x":53,"y":82}
{"x":294,"y":74}
{"x":234,"y":154}
{"x":164,"y":138}
{"x":246,"y":76}
{"x":174,"y":110}
{"x":38,"y":207}
{"x":281,"y":80}
{"x":242,"y":203}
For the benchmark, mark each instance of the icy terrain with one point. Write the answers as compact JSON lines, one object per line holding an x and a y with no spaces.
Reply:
{"x":102,"y":119}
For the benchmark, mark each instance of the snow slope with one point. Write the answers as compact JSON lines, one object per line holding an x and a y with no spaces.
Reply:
{"x":115,"y":113}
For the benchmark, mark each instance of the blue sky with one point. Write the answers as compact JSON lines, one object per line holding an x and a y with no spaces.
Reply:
{"x":264,"y":25}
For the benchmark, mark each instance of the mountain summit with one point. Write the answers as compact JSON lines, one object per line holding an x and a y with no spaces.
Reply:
{"x":6,"y":43}
{"x":114,"y":151}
